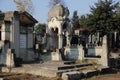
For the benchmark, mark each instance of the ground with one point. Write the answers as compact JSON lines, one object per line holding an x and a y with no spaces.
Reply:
{"x":115,"y":75}
{"x":17,"y":76}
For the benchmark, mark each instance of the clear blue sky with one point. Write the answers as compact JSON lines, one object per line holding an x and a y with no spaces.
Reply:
{"x":41,"y":7}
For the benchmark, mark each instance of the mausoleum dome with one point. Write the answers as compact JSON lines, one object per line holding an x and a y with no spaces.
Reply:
{"x":58,"y":10}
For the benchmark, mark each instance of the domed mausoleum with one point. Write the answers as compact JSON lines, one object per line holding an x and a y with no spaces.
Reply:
{"x":58,"y":29}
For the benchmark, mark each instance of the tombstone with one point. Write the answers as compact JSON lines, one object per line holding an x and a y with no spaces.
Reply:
{"x":10,"y":59}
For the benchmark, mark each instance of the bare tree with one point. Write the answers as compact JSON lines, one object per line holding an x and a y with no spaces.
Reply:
{"x":24,"y":5}
{"x":54,"y":2}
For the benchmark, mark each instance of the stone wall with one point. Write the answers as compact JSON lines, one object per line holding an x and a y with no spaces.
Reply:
{"x":101,"y":51}
{"x":77,"y":53}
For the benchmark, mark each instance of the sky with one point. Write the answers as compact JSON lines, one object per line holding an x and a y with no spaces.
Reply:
{"x":41,"y":7}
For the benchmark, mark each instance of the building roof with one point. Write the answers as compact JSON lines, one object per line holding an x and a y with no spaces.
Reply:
{"x":24,"y":17}
{"x":29,"y":16}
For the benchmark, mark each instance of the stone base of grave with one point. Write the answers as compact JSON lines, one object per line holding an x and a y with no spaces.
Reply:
{"x":61,"y":69}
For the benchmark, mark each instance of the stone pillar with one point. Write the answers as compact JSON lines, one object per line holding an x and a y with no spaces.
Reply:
{"x":115,"y":38}
{"x":80,"y":52}
{"x":56,"y":56}
{"x":10,"y":59}
{"x":60,"y":38}
{"x":68,"y":39}
{"x":98,"y":37}
{"x":90,"y":39}
{"x":104,"y":54}
{"x":59,"y":41}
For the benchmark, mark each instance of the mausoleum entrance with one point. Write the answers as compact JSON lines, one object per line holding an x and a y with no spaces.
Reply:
{"x":54,"y":37}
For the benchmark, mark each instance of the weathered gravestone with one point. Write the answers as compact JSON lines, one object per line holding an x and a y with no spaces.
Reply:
{"x":10,"y":59}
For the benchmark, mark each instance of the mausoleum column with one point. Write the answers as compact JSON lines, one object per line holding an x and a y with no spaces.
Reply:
{"x":68,"y":40}
{"x":98,"y":37}
{"x":60,"y":37}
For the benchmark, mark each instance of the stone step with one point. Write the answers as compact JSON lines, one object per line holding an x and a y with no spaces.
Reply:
{"x":83,"y":64}
{"x":85,"y":72}
{"x":69,"y":70}
{"x":69,"y":62}
{"x":55,"y":73}
{"x":57,"y":67}
{"x":89,"y":73}
{"x":104,"y":69}
{"x":63,"y":67}
{"x":78,"y":74}
{"x":59,"y":62}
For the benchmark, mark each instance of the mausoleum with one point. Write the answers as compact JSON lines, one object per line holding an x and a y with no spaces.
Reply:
{"x":16,"y":33}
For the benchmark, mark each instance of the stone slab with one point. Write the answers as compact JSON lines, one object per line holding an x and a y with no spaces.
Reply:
{"x":89,"y":73}
{"x":104,"y":69}
{"x":59,"y":62}
{"x":57,"y":67}
{"x":62,"y":67}
{"x":74,"y":75}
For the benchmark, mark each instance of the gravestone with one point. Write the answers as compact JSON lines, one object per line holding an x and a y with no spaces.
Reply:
{"x":10,"y":58}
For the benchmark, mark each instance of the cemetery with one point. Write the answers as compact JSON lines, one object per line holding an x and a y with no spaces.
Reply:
{"x":65,"y":53}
